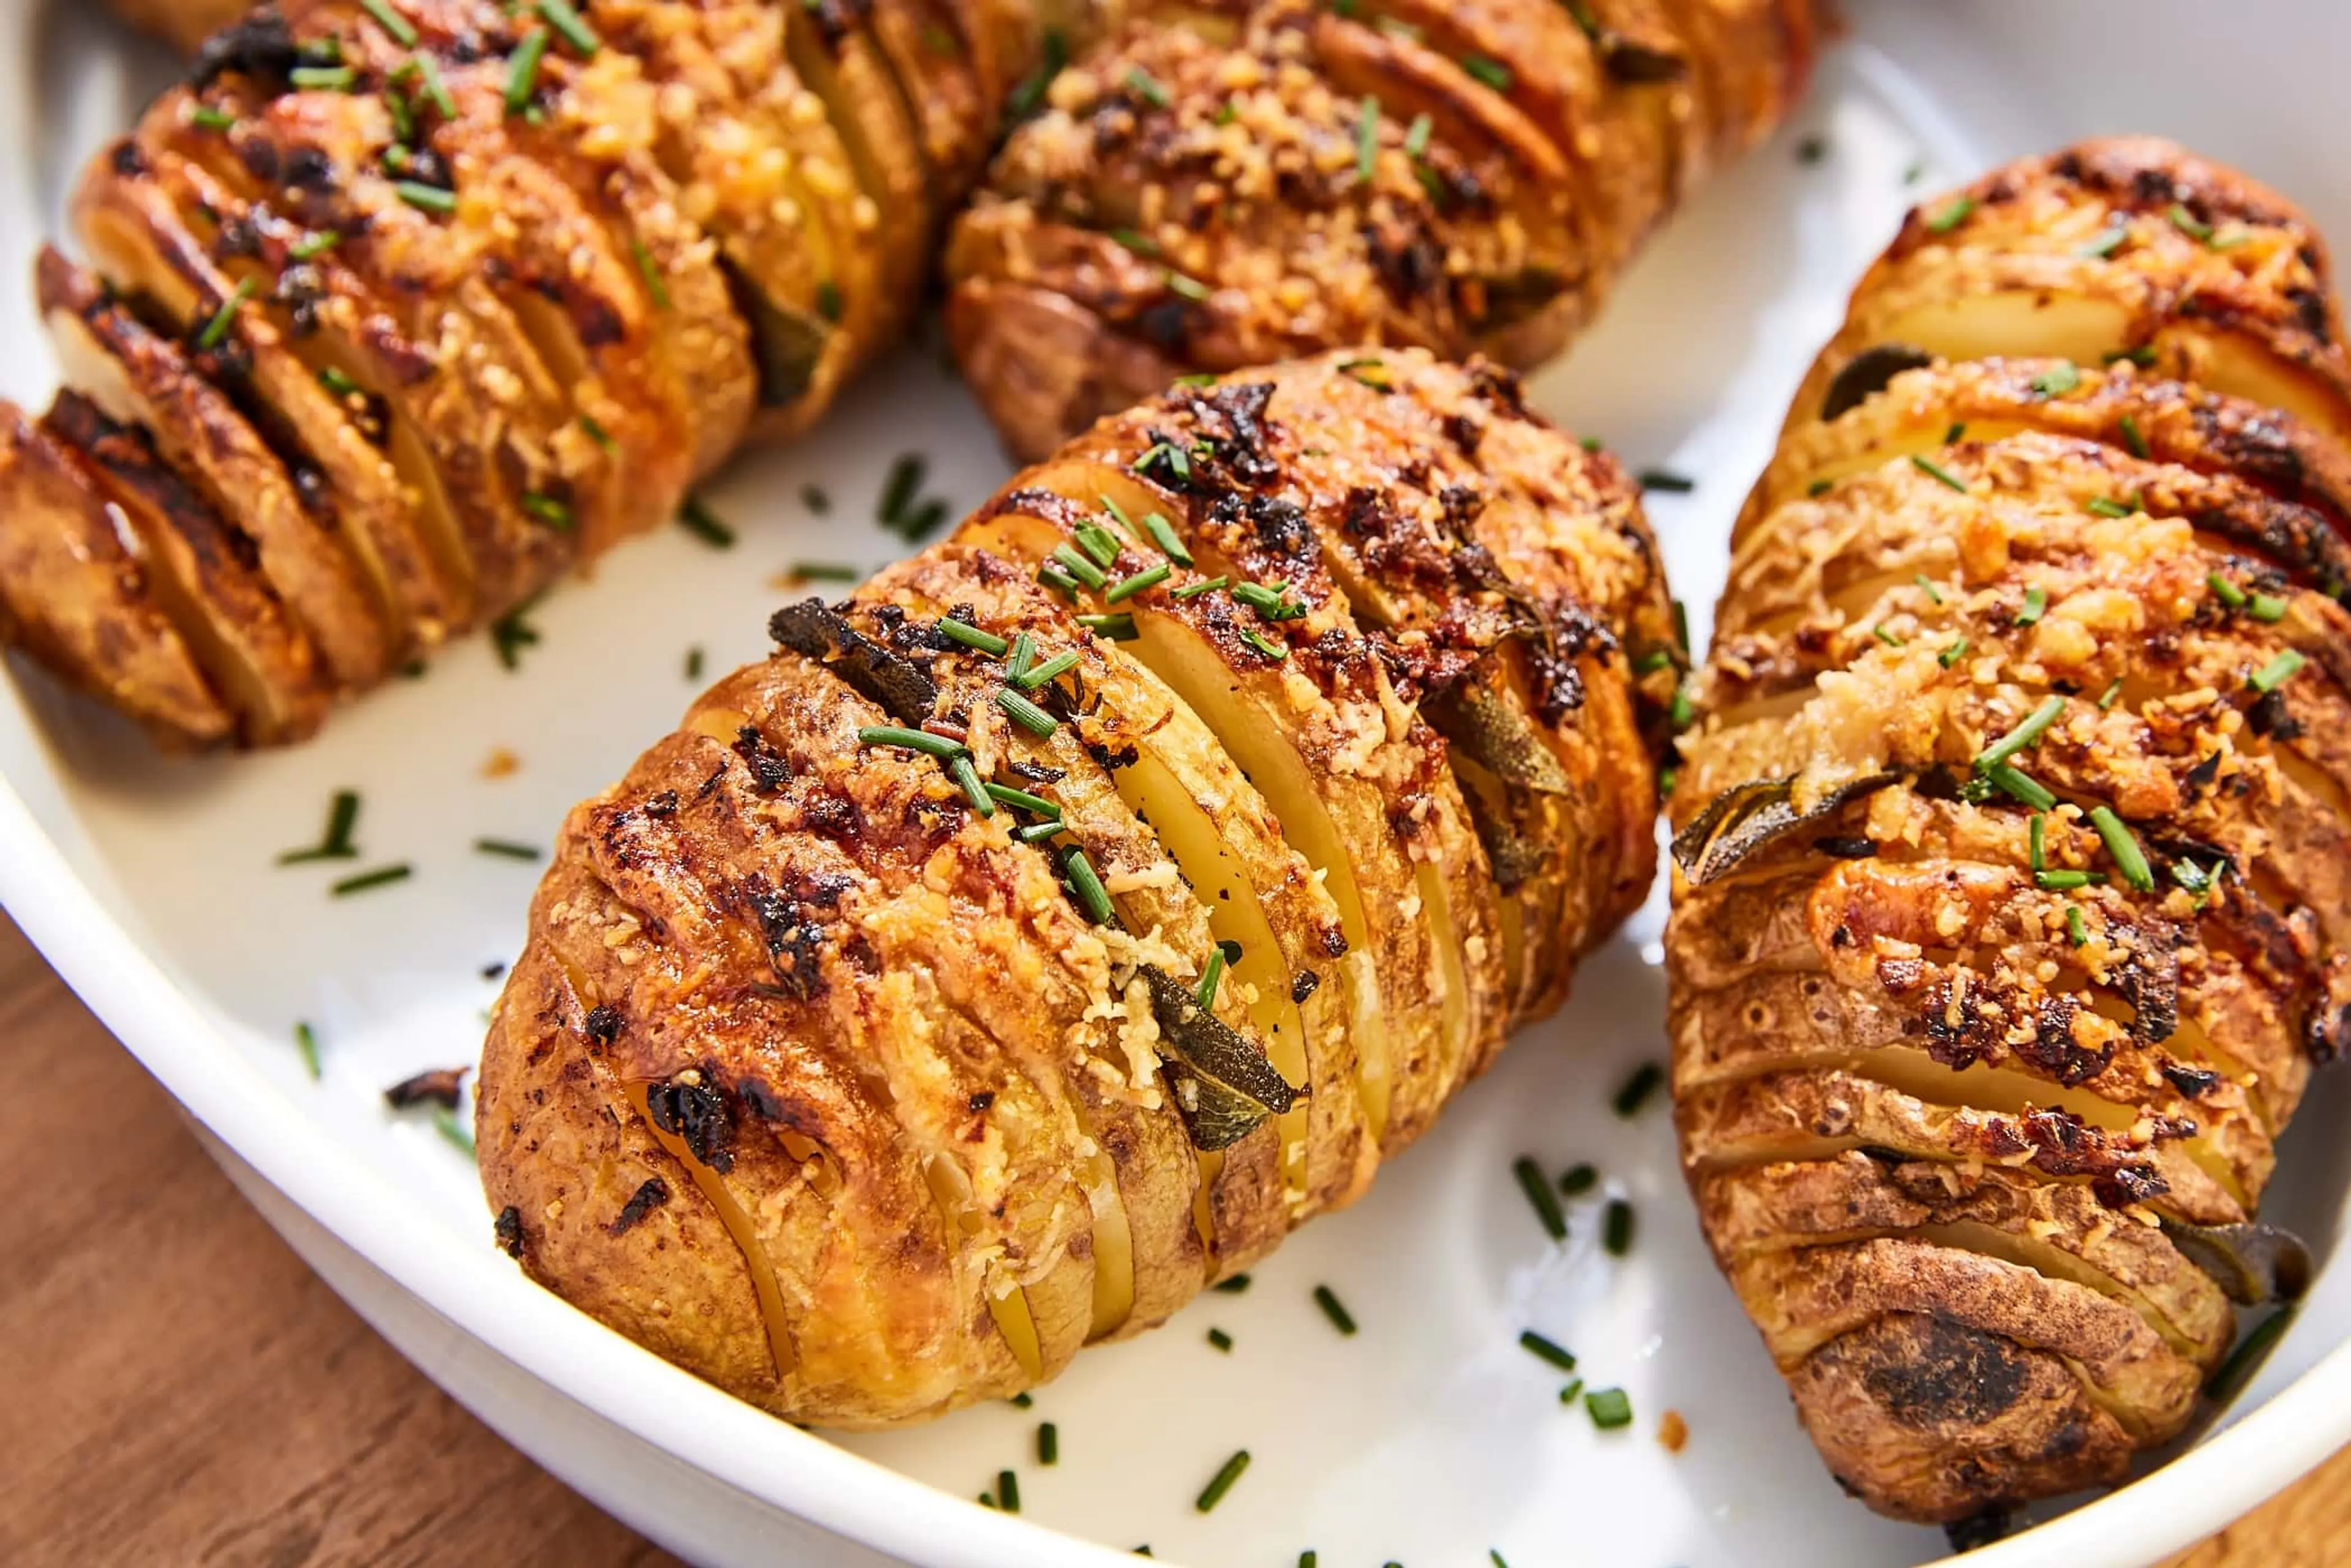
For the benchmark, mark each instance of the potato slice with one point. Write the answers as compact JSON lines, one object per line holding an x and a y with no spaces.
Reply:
{"x":77,"y":593}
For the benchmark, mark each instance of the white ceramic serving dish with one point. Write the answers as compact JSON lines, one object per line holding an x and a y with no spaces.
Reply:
{"x":1428,"y":1438}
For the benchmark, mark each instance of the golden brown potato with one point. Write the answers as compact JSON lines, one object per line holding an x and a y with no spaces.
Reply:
{"x":1016,"y":951}
{"x":2011,"y":906}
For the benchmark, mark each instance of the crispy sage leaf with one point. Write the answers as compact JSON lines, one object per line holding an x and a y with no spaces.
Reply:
{"x":1224,"y":1087}
{"x":811,"y":629}
{"x":1636,"y":64}
{"x":1866,"y":375}
{"x":785,"y":345}
{"x":2253,"y":1264}
{"x":1746,"y":816}
{"x":1482,"y":716}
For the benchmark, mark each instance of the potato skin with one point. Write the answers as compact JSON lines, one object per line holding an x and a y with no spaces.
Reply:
{"x":914,"y":1127}
{"x":1957,"y":1050}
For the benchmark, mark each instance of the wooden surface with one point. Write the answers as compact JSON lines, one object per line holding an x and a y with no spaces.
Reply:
{"x":177,"y":1387}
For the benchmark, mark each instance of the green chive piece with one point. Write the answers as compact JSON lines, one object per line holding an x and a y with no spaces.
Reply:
{"x":2189,"y":224}
{"x":1139,"y":243}
{"x":1574,"y":1390}
{"x":1937,"y":472}
{"x":1276,"y":652}
{"x":2057,"y":382}
{"x":1578,"y":1180}
{"x":1119,"y":628}
{"x":1883,"y":635}
{"x":1078,"y":566}
{"x":2036,"y":599}
{"x":1494,"y":1556}
{"x":2066,"y":881}
{"x":651,"y":272}
{"x":1933,"y":593}
{"x":2018,"y":786}
{"x":1609,"y":1408}
{"x":2144,"y":356}
{"x":1037,"y":675}
{"x":546,"y":509}
{"x":507,"y":849}
{"x":1022,"y":800}
{"x":1117,"y":515}
{"x":1617,"y":1228}
{"x":445,"y":1123}
{"x":2035,"y":725}
{"x":1493,"y":73}
{"x":575,"y":30}
{"x":209,"y":118}
{"x":1664,"y":481}
{"x":1537,"y":1187}
{"x":1087,"y":885}
{"x":1021,"y":1401}
{"x":2268,"y":607}
{"x":1952,"y":437}
{"x":1682,"y":711}
{"x":825,"y":572}
{"x":971,"y":636}
{"x":1038,"y":833}
{"x":1007,"y":1491}
{"x":1048,"y":1444}
{"x":342,"y":816}
{"x":2108,"y":241}
{"x":1193,"y":590}
{"x":510,"y":633}
{"x":905,"y":739}
{"x":312,"y":245}
{"x":2074,"y":928}
{"x":829,"y":302}
{"x":1190,"y":288}
{"x":1060,"y":582}
{"x":1957,"y":213}
{"x":703,"y":523}
{"x":1025,"y":714}
{"x":1415,"y":137}
{"x":1645,"y":1081}
{"x":694,"y":663}
{"x":2100,"y":506}
{"x":225,"y":317}
{"x":2192,"y":877}
{"x":1211,"y":973}
{"x":1098,"y":542}
{"x":390,"y":21}
{"x":2277,"y":672}
{"x":1367,"y":138}
{"x":425,"y":198}
{"x":2038,"y":829}
{"x":1333,"y":1309}
{"x":1820,"y":486}
{"x":1952,"y":655}
{"x":1541,"y":1349}
{"x":1147,"y":87}
{"x":1221,"y":1340}
{"x":961,"y":770}
{"x":1163,"y":534}
{"x":434,"y":88}
{"x":382,"y":876}
{"x":1232,"y":1286}
{"x":306,"y":1041}
{"x":323,"y":78}
{"x":2227,"y":592}
{"x":1023,"y":655}
{"x":1177,"y":460}
{"x":2132,"y":439}
{"x":1214,"y":1492}
{"x":522,"y":71}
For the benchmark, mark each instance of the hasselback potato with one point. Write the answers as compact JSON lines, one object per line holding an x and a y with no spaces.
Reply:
{"x":1274,"y":179}
{"x":2011,"y":905}
{"x":1053,"y":923}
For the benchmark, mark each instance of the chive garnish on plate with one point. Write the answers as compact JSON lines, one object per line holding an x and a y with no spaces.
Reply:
{"x":1221,"y":1340}
{"x":225,"y":317}
{"x":1214,"y":1492}
{"x":1952,"y":215}
{"x":2057,"y":382}
{"x":506,"y":848}
{"x":382,"y":876}
{"x":1007,"y":1491}
{"x":2227,"y":592}
{"x":1341,"y":1319}
{"x":1578,"y":1180}
{"x":1609,"y":1408}
{"x":1665,"y":482}
{"x":335,"y":844}
{"x":2066,"y":881}
{"x":1493,"y":73}
{"x":575,"y":29}
{"x":1118,"y":628}
{"x":425,"y":198}
{"x":1545,"y":1203}
{"x":2132,"y":439}
{"x":1617,"y":1228}
{"x":700,"y":521}
{"x":306,"y":1041}
{"x":2075,"y":929}
{"x":1543,"y":1349}
{"x":1163,"y":534}
{"x":2123,"y":845}
{"x":1022,"y":800}
{"x":1048,"y":1444}
{"x":522,"y":69}
{"x":1077,"y":566}
{"x":2019,"y":786}
{"x":1644,"y":1082}
{"x":1233,"y":1286}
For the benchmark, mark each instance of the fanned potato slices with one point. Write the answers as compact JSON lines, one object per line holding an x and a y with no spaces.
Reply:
{"x":2010,"y":907}
{"x":1084,"y":901}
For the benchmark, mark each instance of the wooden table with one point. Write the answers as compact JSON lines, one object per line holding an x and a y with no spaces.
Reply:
{"x":176,"y":1386}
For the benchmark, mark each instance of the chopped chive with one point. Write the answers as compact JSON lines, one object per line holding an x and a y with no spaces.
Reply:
{"x":546,"y":509}
{"x":1651,"y":662}
{"x":306,"y":1041}
{"x":1038,"y":833}
{"x":1545,"y":1203}
{"x":2132,"y":439}
{"x":1021,"y":1401}
{"x":1205,"y":585}
{"x":1682,"y":711}
{"x":435,"y":88}
{"x":905,"y":739}
{"x":335,"y":382}
{"x":1087,"y":885}
{"x":2227,"y":592}
{"x":2247,"y":1358}
{"x":2108,"y":241}
{"x":1025,"y":714}
{"x":2034,"y":726}
{"x":2036,"y":599}
{"x":1952,"y":655}
{"x":506,"y":848}
{"x":1937,"y":472}
{"x":1333,"y":1309}
{"x":825,"y":571}
{"x":1933,"y":593}
{"x":1665,"y":482}
{"x":1957,"y":430}
{"x":1820,"y":486}
{"x":1617,"y":1228}
{"x":1493,"y":73}
{"x":2066,"y":881}
{"x":2277,"y":672}
{"x":1494,"y":1556}
{"x":1139,"y":243}
{"x":425,"y":198}
{"x":1163,"y":534}
{"x":575,"y":30}
{"x":1190,"y":288}
{"x":1197,"y":379}
{"x":323,"y":78}
{"x":1276,"y":652}
{"x":1883,"y":635}
{"x":1007,"y":1491}
{"x":1020,"y":800}
{"x":918,"y":523}
{"x":1214,"y":1492}
{"x":402,"y":32}
{"x":2268,"y":607}
{"x":382,"y":876}
{"x":2189,"y":224}
{"x":1078,"y":566}
{"x":828,"y":301}
{"x":1952,"y":215}
{"x":510,"y":633}
{"x":1119,"y":628}
{"x":1644,"y":1082}
{"x":1578,"y":1180}
{"x":1039,"y":674}
{"x":1147,"y":87}
{"x":694,"y":663}
{"x":1221,"y":1340}
{"x":1541,"y":1349}
{"x":971,"y":636}
{"x":522,"y":71}
{"x":2018,"y":785}
{"x":212,"y":119}
{"x":225,"y":317}
{"x":1178,"y":461}
{"x":1098,"y":542}
{"x":703,"y":523}
{"x":2057,"y":382}
{"x":1609,"y":1408}
{"x":2074,"y":928}
{"x":2038,"y":829}
{"x":651,"y":272}
{"x":1572,"y":1392}
{"x":2144,"y":356}
{"x":1023,"y":654}
{"x":445,"y":1123}
{"x":1118,"y":514}
{"x":1233,"y":1286}
{"x":1048,"y":1444}
{"x":964,"y":773}
{"x":342,"y":816}
{"x":1415,"y":136}
{"x":312,"y":245}
{"x":2099,"y":506}
{"x":1367,"y":138}
{"x":1211,"y":973}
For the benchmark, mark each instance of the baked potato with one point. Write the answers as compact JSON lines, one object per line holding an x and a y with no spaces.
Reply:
{"x":2011,"y":903}
{"x":1057,"y":920}
{"x":1237,"y":183}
